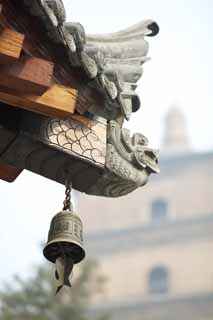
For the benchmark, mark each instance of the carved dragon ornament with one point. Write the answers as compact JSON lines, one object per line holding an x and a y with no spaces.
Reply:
{"x":129,"y":162}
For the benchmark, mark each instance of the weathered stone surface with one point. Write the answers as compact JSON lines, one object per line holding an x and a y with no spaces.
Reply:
{"x":114,"y":61}
{"x":52,"y":163}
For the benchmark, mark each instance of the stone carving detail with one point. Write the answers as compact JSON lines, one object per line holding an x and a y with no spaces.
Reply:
{"x":129,"y":163}
{"x":78,"y":33}
{"x":112,"y":186}
{"x":113,"y":163}
{"x":133,"y":150}
{"x":80,"y":140}
{"x":58,"y":9}
{"x":114,"y":61}
{"x":123,"y":54}
{"x":89,"y":65}
{"x":124,"y":51}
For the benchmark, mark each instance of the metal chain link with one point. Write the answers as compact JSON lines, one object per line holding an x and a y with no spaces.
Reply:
{"x":67,"y":201}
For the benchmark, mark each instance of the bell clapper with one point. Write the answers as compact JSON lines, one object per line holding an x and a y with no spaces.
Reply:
{"x":64,"y":267}
{"x":65,"y":242}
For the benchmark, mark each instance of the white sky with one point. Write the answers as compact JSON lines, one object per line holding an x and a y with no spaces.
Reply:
{"x":181,"y":69}
{"x":181,"y":72}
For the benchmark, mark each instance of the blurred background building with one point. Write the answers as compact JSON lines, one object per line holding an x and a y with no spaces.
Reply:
{"x":155,"y":246}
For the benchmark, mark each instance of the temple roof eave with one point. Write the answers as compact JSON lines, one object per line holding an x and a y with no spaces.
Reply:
{"x":113,"y":61}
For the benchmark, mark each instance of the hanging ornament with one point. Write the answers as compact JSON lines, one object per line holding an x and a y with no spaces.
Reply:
{"x":65,"y":242}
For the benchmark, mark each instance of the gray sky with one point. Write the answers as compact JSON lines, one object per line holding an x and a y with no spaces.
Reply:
{"x":181,"y":73}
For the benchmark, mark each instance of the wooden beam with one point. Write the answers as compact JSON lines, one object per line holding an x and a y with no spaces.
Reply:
{"x":11,"y":43}
{"x":28,"y":75}
{"x":9,"y":173}
{"x":57,"y":102}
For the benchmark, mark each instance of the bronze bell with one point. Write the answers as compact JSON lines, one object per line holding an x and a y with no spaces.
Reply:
{"x":65,"y":235}
{"x":65,"y":242}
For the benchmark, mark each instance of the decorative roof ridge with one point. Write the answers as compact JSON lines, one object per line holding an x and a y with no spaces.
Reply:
{"x":113,"y":61}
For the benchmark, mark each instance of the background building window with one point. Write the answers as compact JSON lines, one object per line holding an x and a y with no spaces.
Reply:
{"x":159,"y":280}
{"x":159,"y":211}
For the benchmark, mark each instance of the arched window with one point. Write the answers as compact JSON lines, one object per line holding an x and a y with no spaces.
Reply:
{"x":159,"y":280}
{"x":159,"y":211}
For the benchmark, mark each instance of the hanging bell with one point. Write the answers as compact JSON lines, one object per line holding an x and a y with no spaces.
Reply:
{"x":66,"y":234}
{"x":65,"y":243}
